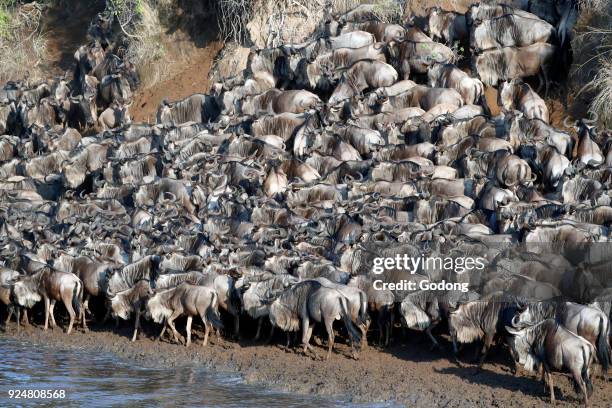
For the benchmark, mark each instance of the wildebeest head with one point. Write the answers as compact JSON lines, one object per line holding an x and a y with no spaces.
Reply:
{"x":521,"y":348}
{"x":122,"y":303}
{"x":90,"y":86}
{"x":79,"y":111}
{"x":156,"y":307}
{"x":164,"y":112}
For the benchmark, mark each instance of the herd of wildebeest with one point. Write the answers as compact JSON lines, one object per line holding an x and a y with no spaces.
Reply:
{"x":269,"y":197}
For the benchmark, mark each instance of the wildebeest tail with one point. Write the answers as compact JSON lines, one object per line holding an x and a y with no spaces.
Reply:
{"x":362,"y":318}
{"x":77,"y":298}
{"x":212,"y":312}
{"x":350,"y":327}
{"x":603,"y":348}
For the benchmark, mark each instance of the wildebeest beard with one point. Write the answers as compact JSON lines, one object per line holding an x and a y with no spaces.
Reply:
{"x":488,"y":315}
{"x":532,"y":341}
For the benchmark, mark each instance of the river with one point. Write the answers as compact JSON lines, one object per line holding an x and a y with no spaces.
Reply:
{"x":102,"y":379}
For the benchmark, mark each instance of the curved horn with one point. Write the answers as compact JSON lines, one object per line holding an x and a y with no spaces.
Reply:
{"x":595,"y":118}
{"x":567,"y":124}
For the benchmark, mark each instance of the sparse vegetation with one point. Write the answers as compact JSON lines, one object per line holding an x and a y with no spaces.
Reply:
{"x":390,"y":11}
{"x":234,"y":15}
{"x":22,"y":42}
{"x":602,"y":83}
{"x":146,"y":49}
{"x":592,"y":70}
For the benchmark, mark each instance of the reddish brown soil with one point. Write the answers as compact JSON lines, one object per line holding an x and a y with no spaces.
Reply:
{"x":191,"y":77}
{"x":406,"y":373}
{"x":65,"y":30}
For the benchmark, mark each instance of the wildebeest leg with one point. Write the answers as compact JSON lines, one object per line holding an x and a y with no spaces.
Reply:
{"x":68,"y":303}
{"x":271,"y":334}
{"x":207,"y":328}
{"x":83,"y":321}
{"x":329,"y":326}
{"x":237,"y":326}
{"x":577,"y":374}
{"x":188,"y":328}
{"x":259,"y":324}
{"x":26,"y":321}
{"x":432,"y":338}
{"x":51,"y":314}
{"x":306,"y":333}
{"x":543,"y":81}
{"x":107,"y":315}
{"x":162,"y":332}
{"x":176,"y":334}
{"x":364,"y":336}
{"x":10,"y":310}
{"x":551,"y":386}
{"x":381,"y":329}
{"x":86,"y":304}
{"x":388,"y":328}
{"x":46,"y":313}
{"x":136,"y":325}
{"x":485,"y":348}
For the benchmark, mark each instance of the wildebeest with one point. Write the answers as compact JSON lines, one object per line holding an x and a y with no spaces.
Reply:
{"x":585,"y":321}
{"x":7,"y":117}
{"x":483,"y":319}
{"x":93,"y":274}
{"x":189,"y":300}
{"x":384,"y":32}
{"x":277,"y":101}
{"x":555,"y":348}
{"x":195,"y":108}
{"x":114,"y":88}
{"x":126,"y":276}
{"x":131,"y":301}
{"x":515,"y":94}
{"x":449,"y":76}
{"x":255,"y":293}
{"x":417,"y":56}
{"x":50,"y":286}
{"x":7,"y":279}
{"x":308,"y":302}
{"x":448,"y":26}
{"x":423,"y":310}
{"x":113,"y":116}
{"x":509,"y":30}
{"x":506,"y":63}
{"x":361,"y":76}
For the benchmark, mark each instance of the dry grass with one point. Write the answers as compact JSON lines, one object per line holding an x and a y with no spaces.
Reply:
{"x":22,"y":42}
{"x":146,"y":49}
{"x":591,"y":73}
{"x":275,"y":22}
{"x":390,"y":11}
{"x":602,"y":84}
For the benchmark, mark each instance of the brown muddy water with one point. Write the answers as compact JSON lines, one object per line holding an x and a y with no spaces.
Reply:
{"x":93,"y":379}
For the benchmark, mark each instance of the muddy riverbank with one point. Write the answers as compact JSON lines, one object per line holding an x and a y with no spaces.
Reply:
{"x":406,"y":373}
